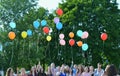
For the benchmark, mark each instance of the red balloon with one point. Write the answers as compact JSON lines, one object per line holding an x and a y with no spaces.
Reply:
{"x":104,"y":36}
{"x":71,"y":42}
{"x":59,"y":12}
{"x":46,"y":30}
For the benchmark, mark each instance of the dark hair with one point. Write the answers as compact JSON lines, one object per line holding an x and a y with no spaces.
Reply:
{"x":111,"y":71}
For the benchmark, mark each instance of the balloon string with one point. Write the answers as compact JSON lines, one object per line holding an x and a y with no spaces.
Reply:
{"x":37,"y":43}
{"x":29,"y":49}
{"x":23,"y":45}
{"x":12,"y":54}
{"x":72,"y":54}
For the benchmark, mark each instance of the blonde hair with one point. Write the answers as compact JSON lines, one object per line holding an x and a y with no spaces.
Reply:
{"x":8,"y":71}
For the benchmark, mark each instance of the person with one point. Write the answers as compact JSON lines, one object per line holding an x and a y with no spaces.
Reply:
{"x":9,"y":72}
{"x":33,"y":72}
{"x":86,"y":72}
{"x":41,"y":72}
{"x":80,"y":70}
{"x":49,"y":72}
{"x":53,"y":69}
{"x":104,"y":74}
{"x":111,"y":70}
{"x":23,"y":72}
{"x":99,"y":71}
{"x":91,"y":70}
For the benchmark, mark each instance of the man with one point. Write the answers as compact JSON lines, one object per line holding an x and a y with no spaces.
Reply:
{"x":98,"y":71}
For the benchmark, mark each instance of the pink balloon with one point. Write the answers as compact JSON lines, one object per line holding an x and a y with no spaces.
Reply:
{"x":85,"y":35}
{"x":61,"y":36}
{"x":62,"y":42}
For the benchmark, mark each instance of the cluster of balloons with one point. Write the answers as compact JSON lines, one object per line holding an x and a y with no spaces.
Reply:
{"x":36,"y":23}
{"x":45,"y":28}
{"x":12,"y":34}
{"x":59,"y":25}
{"x":62,"y":41}
{"x":71,"y":41}
{"x":82,"y":34}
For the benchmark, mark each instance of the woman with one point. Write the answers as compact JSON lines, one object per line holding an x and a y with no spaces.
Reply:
{"x":9,"y":72}
{"x":49,"y":72}
{"x":86,"y":72}
{"x":23,"y":72}
{"x":80,"y":69}
{"x":91,"y":70}
{"x":111,"y":71}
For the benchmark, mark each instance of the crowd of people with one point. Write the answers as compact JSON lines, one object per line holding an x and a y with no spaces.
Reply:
{"x":65,"y":70}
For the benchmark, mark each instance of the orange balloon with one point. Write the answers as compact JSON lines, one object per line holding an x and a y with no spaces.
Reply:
{"x":71,"y":34}
{"x":79,"y":43}
{"x":11,"y":35}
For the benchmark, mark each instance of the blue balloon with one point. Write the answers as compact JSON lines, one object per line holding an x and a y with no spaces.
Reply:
{"x":59,"y":26}
{"x":12,"y":24}
{"x":36,"y":24}
{"x":43,"y":22}
{"x":29,"y":32}
{"x":84,"y":47}
{"x":79,"y":33}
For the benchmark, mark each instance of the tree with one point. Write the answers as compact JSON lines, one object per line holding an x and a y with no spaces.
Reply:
{"x":20,"y":52}
{"x":95,"y":17}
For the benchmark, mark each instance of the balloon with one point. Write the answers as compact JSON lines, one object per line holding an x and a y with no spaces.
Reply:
{"x":71,"y":34}
{"x":62,"y":42}
{"x":59,"y":12}
{"x":85,"y":35}
{"x":24,"y":34}
{"x":43,"y":22}
{"x":84,"y":47}
{"x":79,"y":33}
{"x":71,"y":42}
{"x":56,"y":20}
{"x":12,"y":24}
{"x":104,"y":36}
{"x":61,"y":36}
{"x":11,"y":35}
{"x":46,"y":30}
{"x":79,"y":43}
{"x":36,"y":24}
{"x":29,"y":32}
{"x":48,"y":38}
{"x":59,"y":26}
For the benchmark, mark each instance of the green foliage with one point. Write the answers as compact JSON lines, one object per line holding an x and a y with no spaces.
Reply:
{"x":93,"y":16}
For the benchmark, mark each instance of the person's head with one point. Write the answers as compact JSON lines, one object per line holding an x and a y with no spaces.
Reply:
{"x":91,"y":68}
{"x":99,"y":65}
{"x":22,"y":70}
{"x":86,"y":69}
{"x":9,"y":72}
{"x":111,"y":70}
{"x":80,"y":67}
{"x":52,"y":65}
{"x":107,"y":67}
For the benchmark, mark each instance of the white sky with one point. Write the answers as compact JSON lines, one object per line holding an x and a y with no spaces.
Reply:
{"x":53,"y":4}
{"x":49,"y":4}
{"x":118,"y":1}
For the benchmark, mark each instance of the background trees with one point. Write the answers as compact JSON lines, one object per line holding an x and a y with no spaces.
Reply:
{"x":95,"y":17}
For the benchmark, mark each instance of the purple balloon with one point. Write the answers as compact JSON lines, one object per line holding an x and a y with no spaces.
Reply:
{"x":56,"y":20}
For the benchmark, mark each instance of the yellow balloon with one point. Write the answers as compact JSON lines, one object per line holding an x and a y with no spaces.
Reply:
{"x":24,"y":34}
{"x":48,"y":38}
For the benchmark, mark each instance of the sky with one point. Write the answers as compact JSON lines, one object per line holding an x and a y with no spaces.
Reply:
{"x":53,"y":4}
{"x":49,"y":4}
